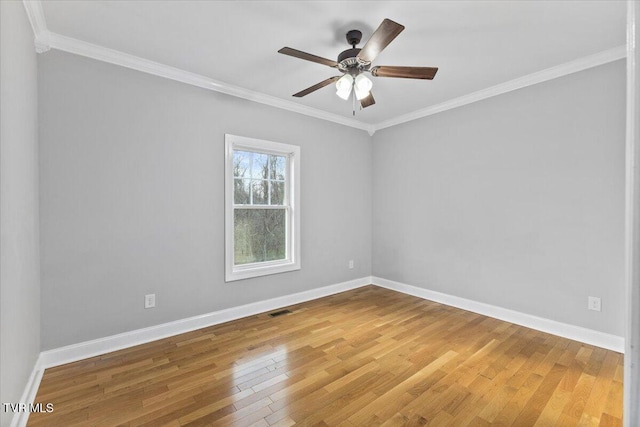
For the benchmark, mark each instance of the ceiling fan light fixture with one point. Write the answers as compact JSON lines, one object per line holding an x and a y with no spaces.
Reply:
{"x":362,"y":86}
{"x":343,"y":86}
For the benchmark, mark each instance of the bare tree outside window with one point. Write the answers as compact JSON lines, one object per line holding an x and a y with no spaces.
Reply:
{"x":259,"y":234}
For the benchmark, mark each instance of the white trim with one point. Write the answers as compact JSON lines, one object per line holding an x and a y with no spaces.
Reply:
{"x":291,"y":206}
{"x":84,"y":350}
{"x":79,"y":47}
{"x":38,"y":25}
{"x":45,"y":40}
{"x":29,"y":394}
{"x":100,"y":53}
{"x":87,"y":349}
{"x":561,"y":70}
{"x":631,"y":416}
{"x":588,"y":336}
{"x":111,"y":56}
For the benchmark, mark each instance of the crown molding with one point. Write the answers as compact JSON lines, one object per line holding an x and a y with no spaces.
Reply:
{"x":45,"y":40}
{"x":38,"y":25}
{"x":561,"y":70}
{"x":100,"y":53}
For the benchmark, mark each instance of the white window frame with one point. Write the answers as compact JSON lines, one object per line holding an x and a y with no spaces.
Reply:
{"x":292,"y":204}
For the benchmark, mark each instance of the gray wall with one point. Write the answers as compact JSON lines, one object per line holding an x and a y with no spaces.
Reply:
{"x":515,"y":201}
{"x":132,"y":185}
{"x":19,"y":263}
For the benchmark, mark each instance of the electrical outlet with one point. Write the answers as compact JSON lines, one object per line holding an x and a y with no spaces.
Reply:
{"x":350,"y":263}
{"x":150,"y":301}
{"x":594,"y":304}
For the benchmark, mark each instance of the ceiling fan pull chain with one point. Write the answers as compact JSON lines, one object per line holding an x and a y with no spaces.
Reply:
{"x":353,"y":95}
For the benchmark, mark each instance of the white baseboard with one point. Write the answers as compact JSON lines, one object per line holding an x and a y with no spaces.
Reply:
{"x":84,"y":350}
{"x":29,"y":394}
{"x":577,"y":333}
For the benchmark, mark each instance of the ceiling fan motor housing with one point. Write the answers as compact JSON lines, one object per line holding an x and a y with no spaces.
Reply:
{"x":347,"y":58}
{"x":348,"y":61}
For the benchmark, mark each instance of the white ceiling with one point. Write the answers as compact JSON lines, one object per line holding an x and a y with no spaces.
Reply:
{"x":476,"y":44}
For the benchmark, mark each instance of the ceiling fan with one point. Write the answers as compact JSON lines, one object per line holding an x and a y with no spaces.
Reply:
{"x":354,"y":62}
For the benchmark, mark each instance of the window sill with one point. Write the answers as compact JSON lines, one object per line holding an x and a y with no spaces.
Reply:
{"x":250,"y":271}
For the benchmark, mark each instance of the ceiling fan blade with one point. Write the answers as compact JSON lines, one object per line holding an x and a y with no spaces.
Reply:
{"x":307,"y":56}
{"x":367,"y":101}
{"x":386,"y":32}
{"x":316,"y":86}
{"x":405,"y":72}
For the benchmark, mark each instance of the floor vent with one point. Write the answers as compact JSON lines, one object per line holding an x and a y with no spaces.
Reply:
{"x":279,"y":313}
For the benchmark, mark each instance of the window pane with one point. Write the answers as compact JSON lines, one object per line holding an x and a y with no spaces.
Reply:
{"x":241,"y":163}
{"x":241,"y":191}
{"x":259,"y":235}
{"x":260,"y":166}
{"x":278,"y":167}
{"x":260,"y":191}
{"x":277,"y":193}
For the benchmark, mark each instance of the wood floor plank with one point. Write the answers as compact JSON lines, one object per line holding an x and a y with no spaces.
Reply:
{"x":365,"y":357}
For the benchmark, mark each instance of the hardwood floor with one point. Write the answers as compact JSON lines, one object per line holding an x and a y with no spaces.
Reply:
{"x":366,"y":357}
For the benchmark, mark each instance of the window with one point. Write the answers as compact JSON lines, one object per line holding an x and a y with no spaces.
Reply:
{"x":262,"y":207}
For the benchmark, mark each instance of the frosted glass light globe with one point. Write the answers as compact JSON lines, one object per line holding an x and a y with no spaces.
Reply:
{"x":362,"y":86}
{"x":343,"y":86}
